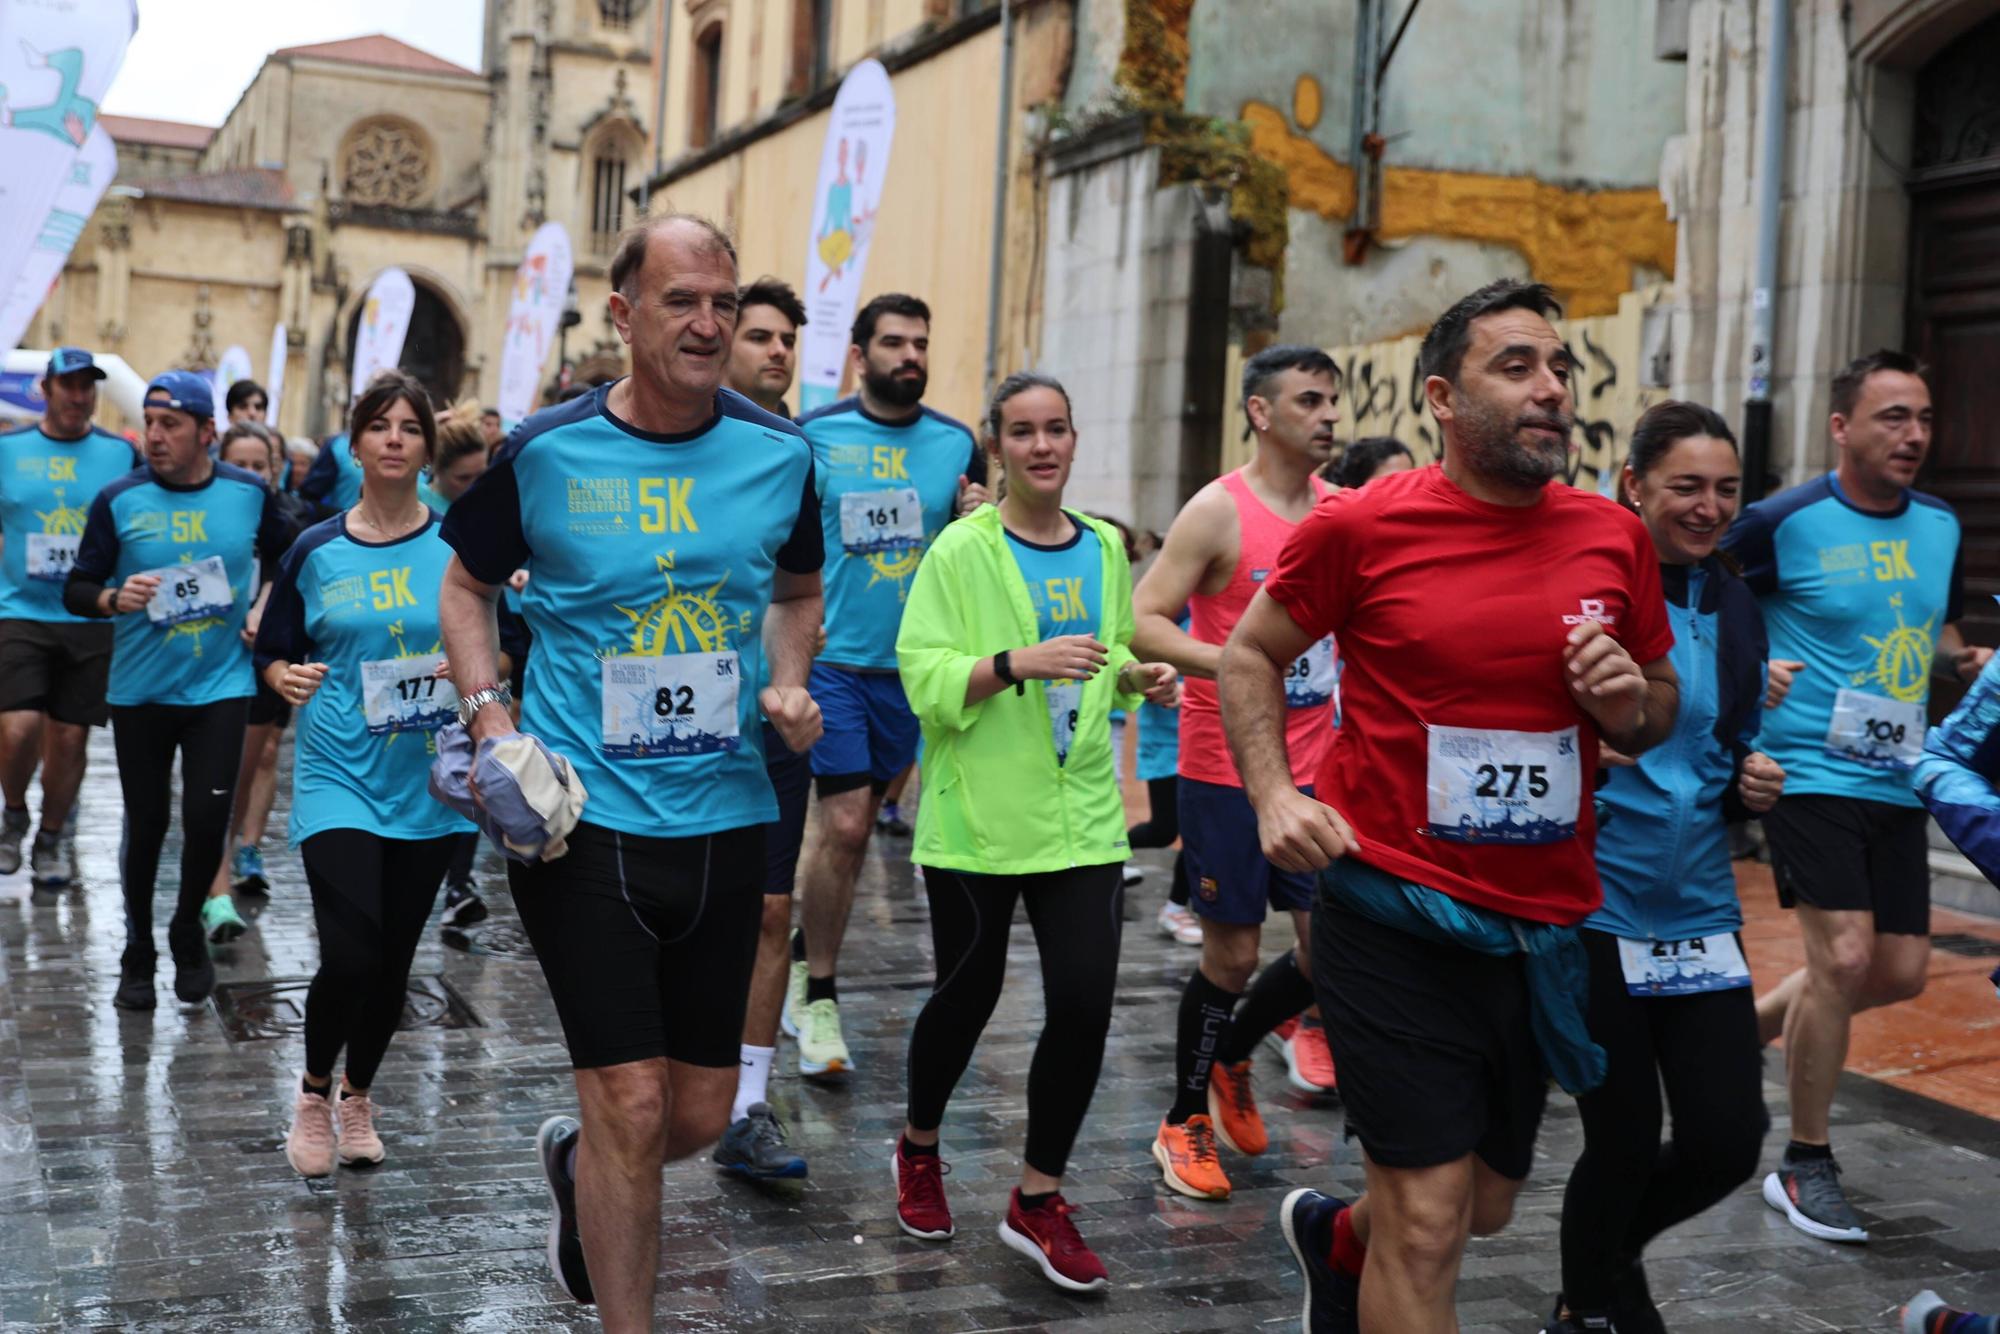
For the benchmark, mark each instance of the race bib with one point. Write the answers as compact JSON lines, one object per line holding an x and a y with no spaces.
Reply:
{"x":191,"y":592}
{"x":1065,"y":697}
{"x":1876,"y":731}
{"x":682,"y":704}
{"x":1313,"y":678}
{"x":50,"y":555}
{"x":881,"y":520}
{"x":405,"y":695}
{"x":1683,"y":967}
{"x":1493,"y":786}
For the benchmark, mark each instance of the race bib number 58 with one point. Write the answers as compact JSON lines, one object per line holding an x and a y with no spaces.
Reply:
{"x":1488,"y":785}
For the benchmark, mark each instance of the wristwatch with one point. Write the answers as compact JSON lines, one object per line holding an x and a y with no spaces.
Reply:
{"x":470,"y":705}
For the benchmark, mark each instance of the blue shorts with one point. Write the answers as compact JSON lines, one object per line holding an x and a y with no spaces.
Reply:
{"x":791,"y":780}
{"x":870,"y":730}
{"x":1228,"y":877}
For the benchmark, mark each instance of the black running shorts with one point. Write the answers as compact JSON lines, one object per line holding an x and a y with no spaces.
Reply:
{"x":1849,"y":854}
{"x":60,"y":668}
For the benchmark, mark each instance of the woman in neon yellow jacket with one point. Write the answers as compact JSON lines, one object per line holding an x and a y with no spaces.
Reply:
{"x":1013,"y":652}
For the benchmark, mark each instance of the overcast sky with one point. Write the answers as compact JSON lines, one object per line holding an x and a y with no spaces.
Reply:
{"x":193,"y":58}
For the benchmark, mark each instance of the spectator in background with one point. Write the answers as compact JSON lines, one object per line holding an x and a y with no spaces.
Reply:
{"x":246,"y":401}
{"x":1368,"y":458}
{"x":492,"y":429}
{"x":300,"y":454}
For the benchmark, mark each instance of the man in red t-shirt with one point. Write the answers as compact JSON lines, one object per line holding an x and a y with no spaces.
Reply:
{"x":1492,"y":623}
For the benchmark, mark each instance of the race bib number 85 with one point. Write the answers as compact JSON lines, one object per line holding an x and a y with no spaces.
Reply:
{"x":190,"y":592}
{"x":1487,"y":785}
{"x":682,"y":704}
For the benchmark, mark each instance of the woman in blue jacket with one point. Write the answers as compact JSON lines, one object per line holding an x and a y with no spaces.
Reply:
{"x":1670,"y":997}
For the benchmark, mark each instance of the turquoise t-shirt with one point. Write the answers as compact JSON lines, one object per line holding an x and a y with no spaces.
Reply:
{"x":46,"y":486}
{"x":654,"y":558}
{"x":1860,"y":598}
{"x":1066,"y":586}
{"x":367,"y":737}
{"x":186,"y":647}
{"x":334,"y":480}
{"x":886,"y":489}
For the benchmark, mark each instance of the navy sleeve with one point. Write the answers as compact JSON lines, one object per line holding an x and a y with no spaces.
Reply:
{"x":275,"y":534}
{"x":281,"y":635}
{"x":975,"y":467}
{"x":1954,"y":606}
{"x":96,"y":558}
{"x":804,"y":551}
{"x":1752,"y":542}
{"x":484,"y":525}
{"x":320,"y":478}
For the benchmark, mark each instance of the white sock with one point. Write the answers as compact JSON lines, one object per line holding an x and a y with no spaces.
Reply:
{"x":753,"y":1079}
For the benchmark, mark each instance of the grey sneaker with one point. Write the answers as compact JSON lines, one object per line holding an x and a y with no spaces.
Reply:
{"x":13,"y":828}
{"x":755,"y":1147}
{"x":1808,"y":1194}
{"x":53,"y":861}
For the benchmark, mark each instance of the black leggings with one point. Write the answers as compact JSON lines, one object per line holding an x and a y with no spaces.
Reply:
{"x":371,"y":897}
{"x":1628,"y":1186}
{"x":1077,"y":916}
{"x":1162,"y":829}
{"x":464,"y":851}
{"x":209,"y":740}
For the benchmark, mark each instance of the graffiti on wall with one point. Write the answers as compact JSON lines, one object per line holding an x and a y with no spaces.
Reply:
{"x":1382,"y":393}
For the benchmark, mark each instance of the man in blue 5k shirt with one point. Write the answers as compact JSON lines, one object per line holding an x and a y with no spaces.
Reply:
{"x":1858,"y":576}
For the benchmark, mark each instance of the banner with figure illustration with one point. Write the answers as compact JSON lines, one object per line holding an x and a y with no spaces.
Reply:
{"x":385,"y":321}
{"x":235,"y":365}
{"x":852,"y":165}
{"x":88,"y":177}
{"x":533,"y":316}
{"x":57,"y":60}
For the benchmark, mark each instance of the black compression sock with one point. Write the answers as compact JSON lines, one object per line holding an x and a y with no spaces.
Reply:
{"x":1036,"y":1201}
{"x":798,"y":946}
{"x":1279,"y":992}
{"x":1179,"y":893}
{"x":912,"y":1149}
{"x":324,"y":1090}
{"x":1202,"y":1029}
{"x":819,"y":989}
{"x":1796,"y":1152}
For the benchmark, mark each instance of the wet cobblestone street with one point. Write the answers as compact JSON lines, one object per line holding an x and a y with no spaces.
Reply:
{"x":143,"y":1183}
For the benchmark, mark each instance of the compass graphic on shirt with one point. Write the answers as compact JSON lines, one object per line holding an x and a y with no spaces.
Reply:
{"x":1902,"y":658}
{"x":895,"y":567}
{"x":63,"y":520}
{"x":681,"y":621}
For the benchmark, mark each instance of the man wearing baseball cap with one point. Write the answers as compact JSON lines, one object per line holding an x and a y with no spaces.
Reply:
{"x":53,"y":665}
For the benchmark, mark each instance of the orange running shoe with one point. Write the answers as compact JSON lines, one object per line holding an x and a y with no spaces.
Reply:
{"x":1234,"y":1108}
{"x":1187,"y":1158}
{"x":1309,"y":1063}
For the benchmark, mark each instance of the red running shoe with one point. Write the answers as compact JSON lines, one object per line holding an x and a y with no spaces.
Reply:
{"x":920,"y":1207}
{"x":1308,"y":1063}
{"x":1046,"y":1236}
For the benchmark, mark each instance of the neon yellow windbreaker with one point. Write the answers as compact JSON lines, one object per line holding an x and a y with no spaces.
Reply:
{"x":995,"y":801}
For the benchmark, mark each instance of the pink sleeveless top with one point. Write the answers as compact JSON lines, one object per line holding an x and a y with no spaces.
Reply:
{"x":1311,"y":683}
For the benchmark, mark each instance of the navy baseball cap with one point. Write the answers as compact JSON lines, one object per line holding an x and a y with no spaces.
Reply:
{"x":65,"y":360}
{"x":184,"y":391}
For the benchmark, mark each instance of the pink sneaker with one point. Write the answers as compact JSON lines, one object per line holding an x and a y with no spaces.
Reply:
{"x":1309,"y":1062}
{"x":360,"y":1146}
{"x":309,"y":1143}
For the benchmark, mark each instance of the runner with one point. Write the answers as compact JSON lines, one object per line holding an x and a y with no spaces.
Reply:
{"x":1366,"y":459}
{"x":492,"y":429}
{"x":1458,"y":821}
{"x":1859,"y":579}
{"x":892,"y":473}
{"x":457,"y":461}
{"x":301,"y":452}
{"x":768,"y":319}
{"x":1158,"y":764}
{"x":53,"y":663}
{"x":1020,"y":803}
{"x":674,"y":531}
{"x":167,"y":553}
{"x":245,"y":401}
{"x":350,"y":639}
{"x":1670,"y":997}
{"x":334,"y":482}
{"x":250,"y":447}
{"x":1928,"y":1314}
{"x":1221,"y":547}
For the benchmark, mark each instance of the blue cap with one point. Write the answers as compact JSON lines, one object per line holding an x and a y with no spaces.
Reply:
{"x":65,"y":360}
{"x":184,"y":391}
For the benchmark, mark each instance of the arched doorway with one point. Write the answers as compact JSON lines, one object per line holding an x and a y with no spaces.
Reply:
{"x":434,"y":348}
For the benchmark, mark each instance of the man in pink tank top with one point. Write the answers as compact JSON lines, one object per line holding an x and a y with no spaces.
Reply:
{"x":1221,"y":546}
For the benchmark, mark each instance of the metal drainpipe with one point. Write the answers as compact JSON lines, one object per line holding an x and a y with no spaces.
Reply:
{"x":659,"y":113}
{"x":1367,"y":107}
{"x":1000,"y":194}
{"x":1764,"y":295}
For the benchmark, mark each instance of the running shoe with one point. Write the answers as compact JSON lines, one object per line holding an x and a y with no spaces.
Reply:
{"x":1188,"y":1160}
{"x":1562,"y":1322}
{"x":309,"y":1143}
{"x":822,"y":1051}
{"x":462,"y":906}
{"x":891,"y":822}
{"x":1233,"y":1108}
{"x":1045,"y":1235}
{"x":553,"y":1143}
{"x":1131,"y":875}
{"x":1308,"y":1062}
{"x":1282,"y":1034}
{"x":53,"y":861}
{"x":1177,"y":923}
{"x":1632,"y":1309}
{"x":360,"y":1146}
{"x":194,"y":977}
{"x":792,"y":1018}
{"x":1808,"y":1194}
{"x":13,"y":828}
{"x":754,"y":1147}
{"x":220,"y":920}
{"x":921,"y":1210}
{"x":135,"y":983}
{"x":1928,"y":1314}
{"x":1332,"y":1295}
{"x":246,"y":869}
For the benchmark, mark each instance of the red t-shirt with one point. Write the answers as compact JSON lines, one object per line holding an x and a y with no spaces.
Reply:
{"x":1452,"y":614}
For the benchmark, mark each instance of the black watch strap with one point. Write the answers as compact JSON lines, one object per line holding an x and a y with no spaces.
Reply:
{"x":1002,"y":670}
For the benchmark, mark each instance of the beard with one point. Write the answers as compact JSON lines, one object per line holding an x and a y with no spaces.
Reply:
{"x":1496,"y":448}
{"x":894,"y":390}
